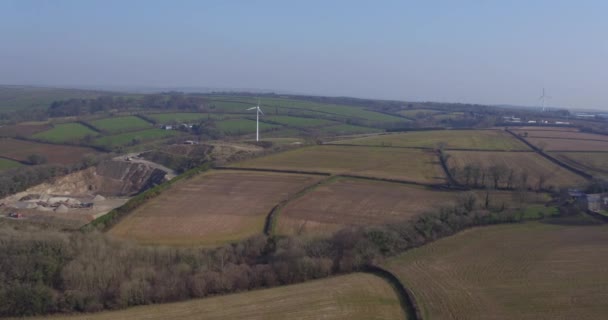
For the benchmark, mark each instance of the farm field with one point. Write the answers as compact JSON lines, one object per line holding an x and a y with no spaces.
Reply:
{"x":529,"y":162}
{"x":459,"y":139}
{"x":553,"y":144}
{"x":55,"y":154}
{"x":24,"y":130}
{"x":166,"y":118}
{"x":573,"y":135}
{"x":65,"y":132}
{"x":413,"y":113}
{"x":24,"y":97}
{"x":543,"y":128}
{"x":124,"y":139}
{"x":297,"y":121}
{"x":119,"y":124}
{"x":211,"y":208}
{"x":517,"y":271}
{"x":357,"y":202}
{"x":343,"y":129}
{"x":242,"y":126}
{"x":594,"y":163}
{"x":405,"y":164}
{"x":354,"y":296}
{"x":8,"y":164}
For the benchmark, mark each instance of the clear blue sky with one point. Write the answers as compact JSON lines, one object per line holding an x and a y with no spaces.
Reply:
{"x":491,"y":52}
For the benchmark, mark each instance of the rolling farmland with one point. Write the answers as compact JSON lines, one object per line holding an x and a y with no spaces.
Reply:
{"x":355,"y":296}
{"x":65,"y":132}
{"x":594,"y":163}
{"x":562,"y":134}
{"x":211,"y":208}
{"x":120,"y":124}
{"x":391,"y":163}
{"x":24,"y":130}
{"x":521,"y":271}
{"x":555,"y":144}
{"x":412,"y":113}
{"x":167,"y":118}
{"x":529,"y":162}
{"x":297,"y":121}
{"x":55,"y":154}
{"x":458,"y":139}
{"x":344,"y":129}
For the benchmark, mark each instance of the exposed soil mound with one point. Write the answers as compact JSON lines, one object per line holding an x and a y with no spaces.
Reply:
{"x":118,"y":178}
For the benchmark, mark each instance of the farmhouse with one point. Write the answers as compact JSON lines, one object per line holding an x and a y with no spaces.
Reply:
{"x":597,"y":202}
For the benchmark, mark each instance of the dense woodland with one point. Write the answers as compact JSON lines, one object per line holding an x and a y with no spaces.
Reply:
{"x":44,"y":271}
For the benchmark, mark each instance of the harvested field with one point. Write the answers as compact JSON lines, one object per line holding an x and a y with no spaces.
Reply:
{"x":65,"y":132}
{"x":405,"y":164}
{"x":552,"y":144}
{"x":120,"y":124}
{"x":531,"y":163}
{"x":210,"y":209}
{"x":459,"y":139}
{"x":521,"y":271}
{"x":55,"y":154}
{"x":544,"y":128}
{"x":354,"y":296}
{"x":357,"y":202}
{"x":594,"y":163}
{"x":22,"y":130}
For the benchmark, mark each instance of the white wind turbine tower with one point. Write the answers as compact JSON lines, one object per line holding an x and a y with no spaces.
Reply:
{"x":257,"y":120}
{"x":544,"y":98}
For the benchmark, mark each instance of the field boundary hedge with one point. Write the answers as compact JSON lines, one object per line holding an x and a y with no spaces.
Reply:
{"x":551,"y":158}
{"x":108,"y":220}
{"x":406,"y":297}
{"x":273,"y":170}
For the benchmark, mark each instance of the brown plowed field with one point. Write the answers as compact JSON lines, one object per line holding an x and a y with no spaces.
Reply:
{"x":19,"y":150}
{"x":24,"y":130}
{"x":394,"y":163}
{"x":556,"y":144}
{"x":212,"y":208}
{"x":530,"y":162}
{"x":358,"y":202}
{"x":521,"y":271}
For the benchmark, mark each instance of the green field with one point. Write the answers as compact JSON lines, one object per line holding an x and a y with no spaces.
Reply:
{"x":413,"y":113}
{"x":166,"y":118}
{"x":129,"y":137}
{"x":354,"y":296}
{"x":465,"y":139}
{"x":8,"y":164}
{"x":404,"y":164}
{"x":65,"y":132}
{"x":242,"y":126}
{"x":297,"y":121}
{"x":521,"y":271}
{"x":344,"y":129}
{"x":119,"y":124}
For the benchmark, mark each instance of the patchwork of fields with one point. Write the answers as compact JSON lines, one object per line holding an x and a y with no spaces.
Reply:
{"x":120,"y":124}
{"x":595,"y":163}
{"x":522,"y":271}
{"x":65,"y":132}
{"x":451,"y":139}
{"x":355,"y":296}
{"x":210,"y":209}
{"x":124,"y":139}
{"x":390,"y":163}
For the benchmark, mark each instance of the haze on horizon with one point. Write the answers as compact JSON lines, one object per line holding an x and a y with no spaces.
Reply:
{"x":490,"y":52}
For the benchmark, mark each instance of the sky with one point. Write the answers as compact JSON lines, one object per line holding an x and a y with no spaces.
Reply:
{"x":487,"y":52}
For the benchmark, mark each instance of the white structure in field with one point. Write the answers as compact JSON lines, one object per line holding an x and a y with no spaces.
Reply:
{"x":544,"y":98}
{"x":257,"y":120}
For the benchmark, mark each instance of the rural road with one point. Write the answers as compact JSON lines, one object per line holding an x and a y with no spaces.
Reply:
{"x":134,"y":158}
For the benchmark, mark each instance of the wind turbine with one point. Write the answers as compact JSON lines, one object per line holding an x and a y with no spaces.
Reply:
{"x":257,"y":120}
{"x":544,"y":98}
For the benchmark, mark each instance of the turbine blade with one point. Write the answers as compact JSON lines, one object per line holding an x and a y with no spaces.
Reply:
{"x":260,"y":111}
{"x":252,"y":108}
